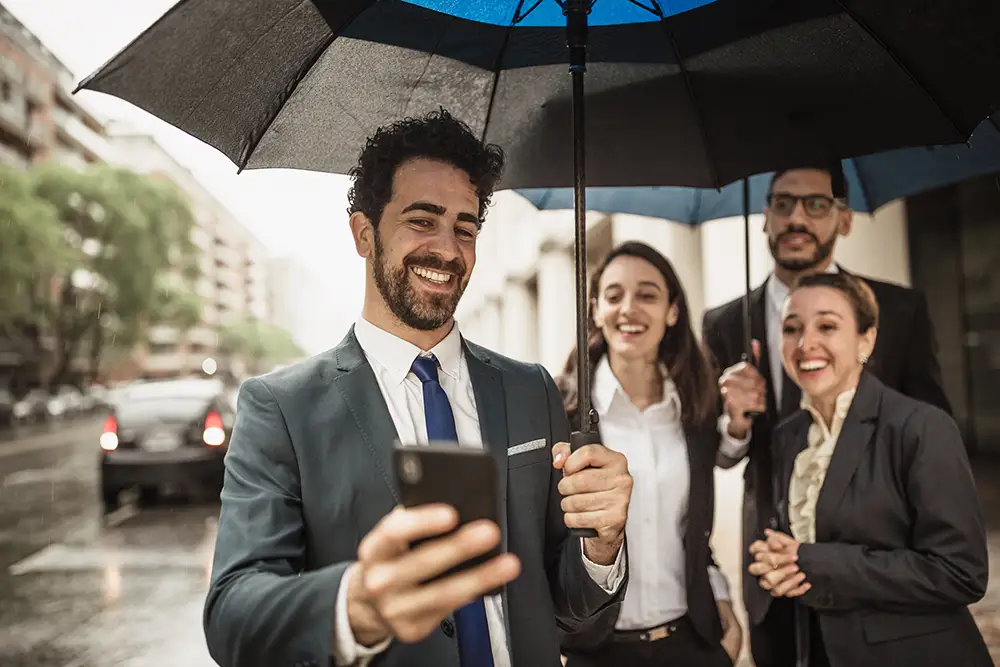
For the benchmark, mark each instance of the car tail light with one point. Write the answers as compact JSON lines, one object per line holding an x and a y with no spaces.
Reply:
{"x":214,"y":434}
{"x":109,"y":436}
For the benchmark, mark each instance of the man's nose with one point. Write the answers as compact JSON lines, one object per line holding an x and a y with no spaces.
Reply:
{"x":798,"y":214}
{"x":445,"y":244}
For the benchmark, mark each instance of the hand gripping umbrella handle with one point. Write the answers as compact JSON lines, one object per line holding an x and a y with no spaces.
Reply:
{"x":578,"y":439}
{"x":750,"y":414}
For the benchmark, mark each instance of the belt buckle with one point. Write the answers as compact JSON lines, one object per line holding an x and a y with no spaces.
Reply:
{"x":661,"y":632}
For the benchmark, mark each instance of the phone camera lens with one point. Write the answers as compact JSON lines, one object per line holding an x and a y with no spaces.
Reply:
{"x":410,"y":469}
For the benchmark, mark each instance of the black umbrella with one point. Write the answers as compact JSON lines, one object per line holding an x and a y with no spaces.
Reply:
{"x":698,"y":98}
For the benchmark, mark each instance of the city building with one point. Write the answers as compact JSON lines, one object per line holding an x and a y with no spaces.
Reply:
{"x":233,"y":285}
{"x":304,"y":305}
{"x":39,"y":119}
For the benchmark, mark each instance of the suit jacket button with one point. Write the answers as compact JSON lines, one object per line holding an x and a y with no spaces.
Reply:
{"x":448,"y":628}
{"x":826,"y":599}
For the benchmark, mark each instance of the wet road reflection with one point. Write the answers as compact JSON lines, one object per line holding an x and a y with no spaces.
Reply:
{"x":80,"y":589}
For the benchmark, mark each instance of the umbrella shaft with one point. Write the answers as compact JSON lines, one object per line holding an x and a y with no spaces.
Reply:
{"x":580,"y":212}
{"x":576,"y":39}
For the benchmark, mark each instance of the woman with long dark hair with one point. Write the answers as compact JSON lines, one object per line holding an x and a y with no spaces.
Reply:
{"x":657,"y":402}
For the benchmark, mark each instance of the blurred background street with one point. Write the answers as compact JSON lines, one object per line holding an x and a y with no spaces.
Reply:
{"x":81,"y":589}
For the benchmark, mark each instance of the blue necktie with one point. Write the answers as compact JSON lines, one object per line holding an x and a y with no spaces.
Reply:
{"x":473,"y":632}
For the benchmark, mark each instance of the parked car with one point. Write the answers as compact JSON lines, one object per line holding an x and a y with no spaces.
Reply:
{"x":33,"y":407}
{"x":171,"y":432}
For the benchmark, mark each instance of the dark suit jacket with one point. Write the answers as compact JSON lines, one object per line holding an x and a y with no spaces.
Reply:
{"x":702,"y":445}
{"x":905,"y":358}
{"x":900,"y":539}
{"x":308,"y":476}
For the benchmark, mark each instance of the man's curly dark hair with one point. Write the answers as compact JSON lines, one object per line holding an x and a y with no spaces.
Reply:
{"x":437,"y":136}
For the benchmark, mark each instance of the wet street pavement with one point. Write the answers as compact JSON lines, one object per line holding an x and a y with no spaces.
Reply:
{"x":81,"y":589}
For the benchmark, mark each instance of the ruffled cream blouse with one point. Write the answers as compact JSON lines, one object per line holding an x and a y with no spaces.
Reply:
{"x":809,"y":471}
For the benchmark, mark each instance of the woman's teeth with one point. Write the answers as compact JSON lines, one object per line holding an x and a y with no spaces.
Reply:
{"x":631,"y":328}
{"x":433,"y":276}
{"x":813,"y":365}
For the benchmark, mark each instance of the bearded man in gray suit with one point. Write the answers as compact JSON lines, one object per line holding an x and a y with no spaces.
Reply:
{"x":313,"y":563}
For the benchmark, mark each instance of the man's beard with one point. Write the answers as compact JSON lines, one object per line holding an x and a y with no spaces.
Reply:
{"x":824,"y":249}
{"x":424,"y":312}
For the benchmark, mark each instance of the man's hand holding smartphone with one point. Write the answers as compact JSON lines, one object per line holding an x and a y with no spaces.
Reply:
{"x":596,"y":488}
{"x":386,"y":593}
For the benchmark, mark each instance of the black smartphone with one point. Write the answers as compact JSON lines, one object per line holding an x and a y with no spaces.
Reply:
{"x":464,"y":477}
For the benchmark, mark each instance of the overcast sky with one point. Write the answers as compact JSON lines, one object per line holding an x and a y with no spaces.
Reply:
{"x":295,"y":213}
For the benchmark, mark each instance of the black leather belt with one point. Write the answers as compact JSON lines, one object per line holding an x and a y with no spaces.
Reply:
{"x":650,"y":634}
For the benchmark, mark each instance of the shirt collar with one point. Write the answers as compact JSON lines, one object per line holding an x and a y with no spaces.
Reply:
{"x":777,"y":291}
{"x":396,"y":355}
{"x":607,"y":389}
{"x":841,"y":407}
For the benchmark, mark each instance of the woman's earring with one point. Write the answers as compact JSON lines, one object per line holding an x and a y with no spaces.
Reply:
{"x":863,"y":358}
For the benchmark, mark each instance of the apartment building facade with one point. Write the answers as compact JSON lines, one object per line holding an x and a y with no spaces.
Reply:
{"x":233,"y":284}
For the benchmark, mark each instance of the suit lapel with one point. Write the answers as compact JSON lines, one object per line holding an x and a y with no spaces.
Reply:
{"x":793,"y":441}
{"x":364,"y":399}
{"x":491,"y":406}
{"x":855,"y":438}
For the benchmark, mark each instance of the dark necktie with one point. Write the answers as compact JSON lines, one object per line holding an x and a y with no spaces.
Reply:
{"x":474,"y":648}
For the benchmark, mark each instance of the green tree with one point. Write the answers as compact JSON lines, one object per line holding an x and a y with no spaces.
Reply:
{"x":259,"y":343}
{"x":32,"y":254}
{"x":126,"y":260}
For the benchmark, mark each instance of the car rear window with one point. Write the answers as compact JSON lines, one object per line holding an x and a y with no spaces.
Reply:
{"x":161,"y":407}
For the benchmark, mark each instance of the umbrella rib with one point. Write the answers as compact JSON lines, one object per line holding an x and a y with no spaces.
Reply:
{"x":906,"y":70}
{"x":689,"y":86}
{"x":518,"y":17}
{"x":498,"y":65}
{"x":655,"y":9}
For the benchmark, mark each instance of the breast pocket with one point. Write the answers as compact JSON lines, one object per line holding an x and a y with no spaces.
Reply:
{"x":528,"y":453}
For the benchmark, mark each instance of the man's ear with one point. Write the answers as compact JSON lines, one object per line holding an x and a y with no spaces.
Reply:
{"x":363,"y":232}
{"x":846,"y":222}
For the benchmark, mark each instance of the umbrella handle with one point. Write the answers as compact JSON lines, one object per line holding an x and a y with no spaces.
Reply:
{"x":750,"y":414}
{"x":578,"y":439}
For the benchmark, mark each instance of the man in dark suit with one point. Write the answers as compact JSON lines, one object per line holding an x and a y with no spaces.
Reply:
{"x":804,"y":215}
{"x":313,"y":560}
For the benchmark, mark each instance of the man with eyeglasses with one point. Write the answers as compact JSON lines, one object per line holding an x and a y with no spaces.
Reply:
{"x":806,"y":212}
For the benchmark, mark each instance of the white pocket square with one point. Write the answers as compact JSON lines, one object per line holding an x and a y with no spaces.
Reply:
{"x":529,"y":446}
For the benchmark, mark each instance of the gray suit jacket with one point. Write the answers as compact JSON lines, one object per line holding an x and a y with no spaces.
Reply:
{"x":308,"y":476}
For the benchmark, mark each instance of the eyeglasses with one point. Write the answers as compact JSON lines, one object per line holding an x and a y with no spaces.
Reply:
{"x":815,"y":206}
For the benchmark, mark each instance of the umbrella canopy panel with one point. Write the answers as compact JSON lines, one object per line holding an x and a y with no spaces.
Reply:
{"x":701,"y":98}
{"x":872,"y":181}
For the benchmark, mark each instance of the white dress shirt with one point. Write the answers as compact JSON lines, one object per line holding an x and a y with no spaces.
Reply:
{"x":775,"y":294}
{"x":653,"y":441}
{"x":391,"y":358}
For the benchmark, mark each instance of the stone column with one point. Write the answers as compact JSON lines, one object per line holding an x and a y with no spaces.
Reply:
{"x":556,"y":306}
{"x":519,"y":320}
{"x":489,"y":324}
